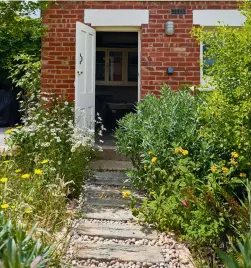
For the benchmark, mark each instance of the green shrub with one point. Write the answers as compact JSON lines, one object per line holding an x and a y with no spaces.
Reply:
{"x":192,"y":153}
{"x":159,"y":125}
{"x":33,"y":195}
{"x":192,"y":188}
{"x":49,"y":133}
{"x":226,"y":114}
{"x":19,"y":248}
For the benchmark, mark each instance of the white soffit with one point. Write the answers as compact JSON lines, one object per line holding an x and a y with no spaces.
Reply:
{"x":118,"y":17}
{"x":216,"y":17}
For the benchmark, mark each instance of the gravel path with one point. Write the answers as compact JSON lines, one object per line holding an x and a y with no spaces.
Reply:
{"x":109,"y":235}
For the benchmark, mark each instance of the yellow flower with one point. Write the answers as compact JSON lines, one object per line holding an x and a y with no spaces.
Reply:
{"x":3,"y":179}
{"x":154,"y":159}
{"x":28,"y":210}
{"x":18,"y":170}
{"x":8,"y":131}
{"x":213,"y":169}
{"x":243,"y":175}
{"x":4,"y":206}
{"x":178,"y":150}
{"x":225,"y":170}
{"x":185,"y":152}
{"x":19,"y":127}
{"x":150,"y":153}
{"x":234,"y":155}
{"x":44,"y":161}
{"x":6,"y":161}
{"x":233,"y":162}
{"x":38,"y":171}
{"x":25,"y":176}
{"x":126,"y":194}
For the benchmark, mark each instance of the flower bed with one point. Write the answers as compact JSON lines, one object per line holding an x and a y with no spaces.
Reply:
{"x":45,"y":168}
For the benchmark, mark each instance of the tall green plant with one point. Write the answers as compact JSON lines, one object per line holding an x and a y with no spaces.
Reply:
{"x":159,"y":125}
{"x":20,"y":34}
{"x":18,"y":248}
{"x":226,"y":114}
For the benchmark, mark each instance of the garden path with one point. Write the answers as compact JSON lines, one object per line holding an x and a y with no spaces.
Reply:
{"x":109,"y":235}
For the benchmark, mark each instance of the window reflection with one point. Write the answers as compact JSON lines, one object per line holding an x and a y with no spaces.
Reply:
{"x":115,"y":66}
{"x":132,"y":68}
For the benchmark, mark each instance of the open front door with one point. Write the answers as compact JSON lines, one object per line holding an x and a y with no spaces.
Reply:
{"x":85,"y":75}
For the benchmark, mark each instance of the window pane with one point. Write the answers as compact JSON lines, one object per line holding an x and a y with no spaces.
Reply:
{"x":207,"y":63}
{"x":132,"y":68}
{"x":115,"y":66}
{"x":100,"y":66}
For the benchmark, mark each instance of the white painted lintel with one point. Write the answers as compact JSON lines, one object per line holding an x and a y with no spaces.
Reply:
{"x":116,"y":17}
{"x":232,"y":18}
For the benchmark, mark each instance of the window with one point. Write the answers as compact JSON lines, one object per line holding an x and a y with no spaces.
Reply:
{"x":117,"y":66}
{"x":100,"y":66}
{"x":206,"y":63}
{"x":132,"y":67}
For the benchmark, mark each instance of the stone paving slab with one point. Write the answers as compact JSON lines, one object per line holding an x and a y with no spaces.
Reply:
{"x":109,"y":153}
{"x":109,"y":192}
{"x":110,"y":178}
{"x":116,"y":231}
{"x":111,"y":182}
{"x":94,"y":201}
{"x":110,"y":175}
{"x":111,"y":165}
{"x":112,"y":214}
{"x":148,"y":254}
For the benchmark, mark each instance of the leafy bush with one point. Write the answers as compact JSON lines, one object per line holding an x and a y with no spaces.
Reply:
{"x":201,"y":209}
{"x":21,"y":192}
{"x":159,"y":125}
{"x":20,"y":35}
{"x":192,"y":153}
{"x":192,"y":188}
{"x":18,"y":246}
{"x":49,"y":133}
{"x":225,"y":115}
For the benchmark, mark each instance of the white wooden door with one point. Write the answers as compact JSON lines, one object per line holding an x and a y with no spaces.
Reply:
{"x":85,"y":75}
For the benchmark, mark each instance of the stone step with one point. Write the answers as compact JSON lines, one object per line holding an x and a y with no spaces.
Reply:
{"x":111,"y":165}
{"x":116,"y":231}
{"x":118,"y":179}
{"x":109,"y":153}
{"x":110,"y":175}
{"x":108,"y":192}
{"x":110,"y":202}
{"x":108,"y":252}
{"x":111,"y":214}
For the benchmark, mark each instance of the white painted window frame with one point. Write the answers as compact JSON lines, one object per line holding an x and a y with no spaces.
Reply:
{"x":124,"y":81}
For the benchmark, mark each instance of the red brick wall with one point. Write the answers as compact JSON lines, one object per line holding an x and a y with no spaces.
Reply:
{"x":159,"y":51}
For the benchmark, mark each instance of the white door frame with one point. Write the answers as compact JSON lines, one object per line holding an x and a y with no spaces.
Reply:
{"x":126,"y":29}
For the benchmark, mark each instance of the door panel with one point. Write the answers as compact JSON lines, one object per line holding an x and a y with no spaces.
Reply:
{"x":85,"y":75}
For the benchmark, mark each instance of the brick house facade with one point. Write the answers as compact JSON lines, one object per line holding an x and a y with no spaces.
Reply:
{"x":158,"y":50}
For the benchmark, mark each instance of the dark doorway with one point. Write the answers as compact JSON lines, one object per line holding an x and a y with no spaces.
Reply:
{"x":116,"y":76}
